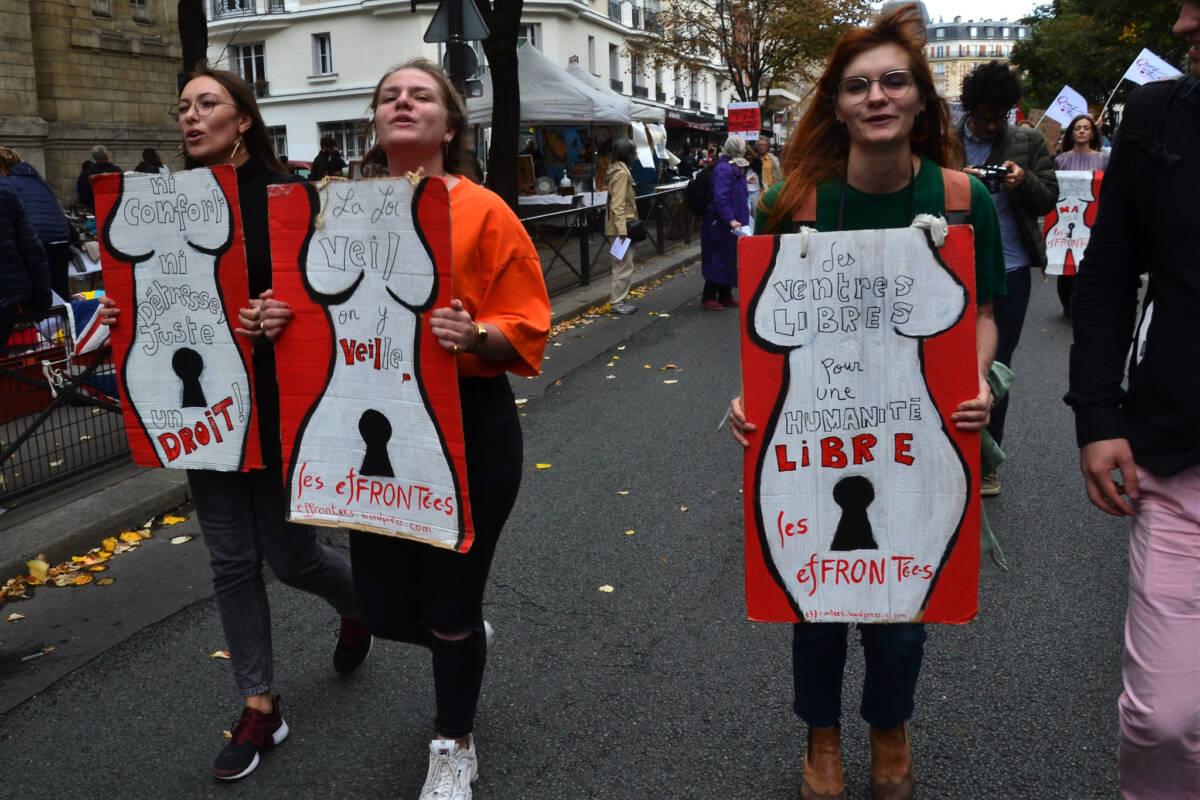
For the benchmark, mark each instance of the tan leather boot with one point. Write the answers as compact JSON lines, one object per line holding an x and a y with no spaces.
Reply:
{"x":823,"y":766}
{"x":891,"y":764}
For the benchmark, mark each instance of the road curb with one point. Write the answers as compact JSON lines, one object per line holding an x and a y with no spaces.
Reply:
{"x":580,"y":300}
{"x":83,"y":522}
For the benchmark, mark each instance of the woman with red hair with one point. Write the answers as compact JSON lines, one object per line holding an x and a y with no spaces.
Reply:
{"x":871,"y":152}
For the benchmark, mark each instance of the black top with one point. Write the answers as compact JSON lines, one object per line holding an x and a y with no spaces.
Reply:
{"x":253,"y":179}
{"x":1147,"y":222}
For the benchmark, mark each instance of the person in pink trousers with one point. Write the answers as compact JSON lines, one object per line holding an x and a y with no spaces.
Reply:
{"x":1150,"y":432}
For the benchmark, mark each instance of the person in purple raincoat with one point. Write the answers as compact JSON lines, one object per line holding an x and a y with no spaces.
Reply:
{"x":728,"y":210}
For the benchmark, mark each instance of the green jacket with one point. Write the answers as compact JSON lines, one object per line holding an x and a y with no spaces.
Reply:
{"x":1038,"y":193}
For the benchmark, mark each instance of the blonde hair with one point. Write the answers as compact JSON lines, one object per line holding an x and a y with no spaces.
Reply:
{"x":9,"y":158}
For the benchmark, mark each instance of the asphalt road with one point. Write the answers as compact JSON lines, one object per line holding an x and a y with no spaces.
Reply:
{"x":660,"y":688}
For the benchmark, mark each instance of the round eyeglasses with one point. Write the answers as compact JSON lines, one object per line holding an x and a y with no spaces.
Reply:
{"x":895,"y":84}
{"x":205,"y":106}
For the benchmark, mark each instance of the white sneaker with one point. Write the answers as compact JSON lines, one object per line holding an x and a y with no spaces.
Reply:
{"x":452,"y":770}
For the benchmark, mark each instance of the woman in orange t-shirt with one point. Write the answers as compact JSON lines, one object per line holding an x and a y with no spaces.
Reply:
{"x":498,"y":323}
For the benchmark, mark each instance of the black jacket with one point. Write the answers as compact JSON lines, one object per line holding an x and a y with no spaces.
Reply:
{"x":253,"y":179}
{"x":44,"y":212}
{"x":24,"y":273}
{"x":83,"y":184}
{"x":1038,"y":193}
{"x":1147,"y":222}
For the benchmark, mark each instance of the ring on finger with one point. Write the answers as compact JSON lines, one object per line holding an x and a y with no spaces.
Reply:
{"x":454,"y":348}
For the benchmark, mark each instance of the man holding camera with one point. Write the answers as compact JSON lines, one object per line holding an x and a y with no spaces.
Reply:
{"x":1016,"y":166}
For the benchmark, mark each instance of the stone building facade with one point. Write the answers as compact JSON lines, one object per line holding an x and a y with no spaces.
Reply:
{"x":76,"y":73}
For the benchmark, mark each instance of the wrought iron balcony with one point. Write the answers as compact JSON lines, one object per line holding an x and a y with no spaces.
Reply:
{"x":640,"y":91}
{"x":617,"y":86}
{"x":679,"y":102}
{"x":220,"y":9}
{"x":660,"y":96}
{"x":694,"y":105}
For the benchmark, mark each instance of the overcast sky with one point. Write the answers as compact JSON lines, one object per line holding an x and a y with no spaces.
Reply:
{"x":979,"y":9}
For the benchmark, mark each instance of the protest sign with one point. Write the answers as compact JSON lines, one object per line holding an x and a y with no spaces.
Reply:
{"x":744,"y":119}
{"x":861,"y":497}
{"x":1068,"y":228}
{"x":370,"y":417}
{"x":173,"y":259}
{"x":1148,"y":67}
{"x":1067,"y":105}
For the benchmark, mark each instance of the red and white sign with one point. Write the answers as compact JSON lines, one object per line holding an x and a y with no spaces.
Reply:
{"x":861,"y":498}
{"x":370,"y":415}
{"x":174,"y":261}
{"x":1068,"y":228}
{"x":744,"y":119}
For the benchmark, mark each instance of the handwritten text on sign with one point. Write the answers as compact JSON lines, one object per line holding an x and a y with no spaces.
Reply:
{"x":859,"y":492}
{"x":1068,"y":228}
{"x":185,"y":373}
{"x":371,"y":454}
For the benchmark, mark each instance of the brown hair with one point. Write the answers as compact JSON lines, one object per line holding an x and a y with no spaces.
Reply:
{"x":1069,"y":134}
{"x":456,"y":158}
{"x":9,"y":158}
{"x":256,"y":140}
{"x":820,"y":146}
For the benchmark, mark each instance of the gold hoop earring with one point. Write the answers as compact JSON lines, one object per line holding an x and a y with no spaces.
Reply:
{"x":237,"y":147}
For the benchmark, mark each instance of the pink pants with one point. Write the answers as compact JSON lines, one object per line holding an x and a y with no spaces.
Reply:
{"x":1160,"y":707}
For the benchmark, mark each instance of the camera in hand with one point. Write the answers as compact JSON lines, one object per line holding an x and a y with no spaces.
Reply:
{"x":992,"y":176}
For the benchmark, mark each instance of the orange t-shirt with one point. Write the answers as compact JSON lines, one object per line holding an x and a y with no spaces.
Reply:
{"x":498,"y":278}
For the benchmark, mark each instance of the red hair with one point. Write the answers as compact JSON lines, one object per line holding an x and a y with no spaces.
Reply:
{"x":820,"y":146}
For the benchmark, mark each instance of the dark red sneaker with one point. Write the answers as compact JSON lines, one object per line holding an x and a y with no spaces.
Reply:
{"x":353,"y":645}
{"x":711,"y":305}
{"x":729,"y":302}
{"x":254,"y":734}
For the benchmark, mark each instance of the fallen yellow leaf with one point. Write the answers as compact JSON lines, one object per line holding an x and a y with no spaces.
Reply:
{"x":606,"y":589}
{"x":609,"y":377}
{"x":622,"y":347}
{"x":623,"y":492}
{"x":630,"y":532}
{"x":219,"y":654}
{"x":97,"y":568}
{"x":37,"y":568}
{"x":670,"y":382}
{"x":610,"y":364}
{"x":227,"y":734}
{"x":683,"y":508}
{"x":104,"y":582}
{"x":646,"y":366}
{"x":13,"y":617}
{"x":109,"y":544}
{"x":171,"y":519}
{"x":130,"y":537}
{"x":544,"y":466}
{"x":181,"y":540}
{"x":82,"y":580}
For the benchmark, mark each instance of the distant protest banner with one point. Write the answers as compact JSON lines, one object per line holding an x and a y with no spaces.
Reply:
{"x":371,"y":420}
{"x":861,"y":497}
{"x":173,"y":259}
{"x":744,"y":119}
{"x":1068,"y":228}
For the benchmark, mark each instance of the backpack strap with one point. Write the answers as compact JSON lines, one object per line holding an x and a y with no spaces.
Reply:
{"x":956,"y":189}
{"x":807,"y":212}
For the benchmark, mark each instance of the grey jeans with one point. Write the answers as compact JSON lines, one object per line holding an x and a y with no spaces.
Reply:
{"x":243,"y":518}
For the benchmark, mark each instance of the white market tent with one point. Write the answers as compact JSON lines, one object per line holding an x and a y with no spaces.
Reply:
{"x":550,"y":96}
{"x":640,"y":111}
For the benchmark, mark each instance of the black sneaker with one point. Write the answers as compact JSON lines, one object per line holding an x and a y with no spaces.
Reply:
{"x":353,"y":645}
{"x":255,"y":733}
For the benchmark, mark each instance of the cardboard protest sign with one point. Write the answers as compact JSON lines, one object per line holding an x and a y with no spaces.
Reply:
{"x":744,"y":119}
{"x":861,"y":498}
{"x":370,"y":416}
{"x":173,"y":260}
{"x":1068,"y":228}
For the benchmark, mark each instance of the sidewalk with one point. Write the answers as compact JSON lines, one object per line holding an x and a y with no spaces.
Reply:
{"x":73,"y":518}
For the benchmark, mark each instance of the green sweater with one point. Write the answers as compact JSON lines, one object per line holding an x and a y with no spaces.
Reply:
{"x":870,"y":211}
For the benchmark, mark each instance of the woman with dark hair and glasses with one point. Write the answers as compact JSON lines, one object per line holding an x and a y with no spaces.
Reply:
{"x":873,"y":147}
{"x":243,"y":514}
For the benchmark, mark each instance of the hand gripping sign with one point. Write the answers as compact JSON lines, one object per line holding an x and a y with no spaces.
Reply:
{"x":370,"y":415}
{"x":861,"y":497}
{"x":1068,"y":228}
{"x":173,"y":260}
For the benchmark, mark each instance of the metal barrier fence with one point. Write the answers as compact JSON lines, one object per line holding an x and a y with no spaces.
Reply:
{"x":574,"y":250}
{"x":59,"y":412}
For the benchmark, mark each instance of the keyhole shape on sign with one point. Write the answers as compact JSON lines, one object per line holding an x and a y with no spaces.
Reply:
{"x":854,"y":494}
{"x":376,"y":431}
{"x":188,"y":364}
{"x":1070,"y":230}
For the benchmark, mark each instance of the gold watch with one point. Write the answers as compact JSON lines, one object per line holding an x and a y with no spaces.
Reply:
{"x":481,"y":337}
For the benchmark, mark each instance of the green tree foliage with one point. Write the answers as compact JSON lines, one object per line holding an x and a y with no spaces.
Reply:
{"x":1089,"y":44}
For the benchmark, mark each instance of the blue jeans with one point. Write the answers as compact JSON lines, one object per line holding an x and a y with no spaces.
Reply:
{"x":893,"y":661}
{"x":1010,"y":318}
{"x":243,"y":518}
